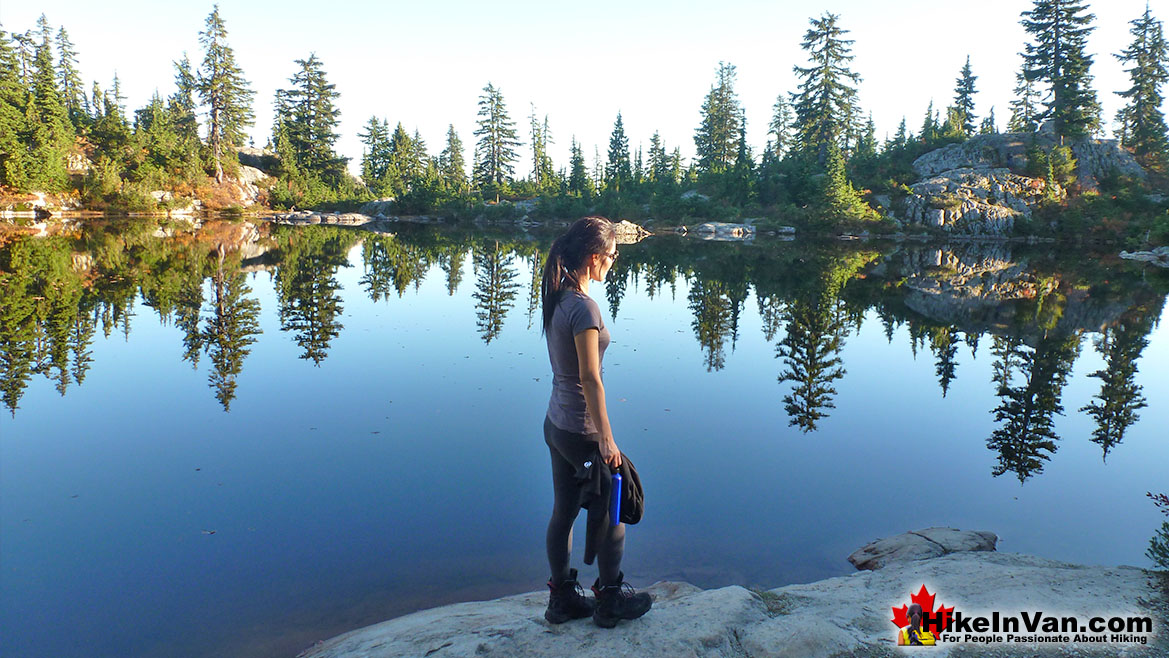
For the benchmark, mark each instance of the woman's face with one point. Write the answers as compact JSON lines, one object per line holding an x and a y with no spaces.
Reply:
{"x":600,"y":264}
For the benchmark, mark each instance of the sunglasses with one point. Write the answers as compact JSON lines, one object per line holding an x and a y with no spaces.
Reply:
{"x":612,"y":256}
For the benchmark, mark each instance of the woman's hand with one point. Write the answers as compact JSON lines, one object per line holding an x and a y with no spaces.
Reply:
{"x":609,"y":452}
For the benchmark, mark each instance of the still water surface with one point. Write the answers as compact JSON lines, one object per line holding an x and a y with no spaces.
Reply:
{"x":239,"y":441}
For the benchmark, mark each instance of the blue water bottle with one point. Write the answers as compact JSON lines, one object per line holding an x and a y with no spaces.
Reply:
{"x":615,"y":500}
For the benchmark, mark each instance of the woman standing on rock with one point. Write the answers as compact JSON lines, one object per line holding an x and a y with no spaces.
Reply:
{"x":576,"y":427}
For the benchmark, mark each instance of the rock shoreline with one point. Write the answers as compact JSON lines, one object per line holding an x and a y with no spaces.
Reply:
{"x":837,"y":617}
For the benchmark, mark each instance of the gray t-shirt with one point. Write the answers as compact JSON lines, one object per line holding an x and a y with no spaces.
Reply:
{"x":575,"y":313}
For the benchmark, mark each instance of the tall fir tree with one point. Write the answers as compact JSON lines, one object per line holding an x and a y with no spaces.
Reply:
{"x":826,"y":100}
{"x":578,"y":176}
{"x":69,"y":78}
{"x":182,"y":103}
{"x":50,"y":131}
{"x":1057,"y":56}
{"x":716,"y":140}
{"x":1142,"y":124}
{"x":13,"y":124}
{"x":543,"y":172}
{"x":780,"y":129}
{"x":496,"y":149}
{"x":988,"y":127}
{"x":451,"y":164}
{"x":375,"y":157}
{"x":1024,"y":106}
{"x":618,"y":171}
{"x":658,"y":166}
{"x":964,"y":99}
{"x":311,"y":118}
{"x":224,"y":92}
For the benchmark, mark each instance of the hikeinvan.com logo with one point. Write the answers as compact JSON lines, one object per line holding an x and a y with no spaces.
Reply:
{"x":919,"y":623}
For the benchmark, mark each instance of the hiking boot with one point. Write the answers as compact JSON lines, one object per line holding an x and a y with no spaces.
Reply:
{"x":616,"y":602}
{"x":567,"y":600}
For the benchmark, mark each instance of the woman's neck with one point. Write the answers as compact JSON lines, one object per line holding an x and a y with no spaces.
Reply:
{"x":582,"y":282}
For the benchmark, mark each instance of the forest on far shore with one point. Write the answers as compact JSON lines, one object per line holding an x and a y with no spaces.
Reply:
{"x":821,"y":168}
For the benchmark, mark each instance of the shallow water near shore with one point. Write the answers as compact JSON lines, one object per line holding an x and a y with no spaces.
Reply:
{"x":239,"y":441}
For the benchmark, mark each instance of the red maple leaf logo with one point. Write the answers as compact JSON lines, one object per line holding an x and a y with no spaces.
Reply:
{"x":926,"y":601}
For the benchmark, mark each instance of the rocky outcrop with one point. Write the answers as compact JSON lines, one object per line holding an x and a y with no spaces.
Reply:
{"x":724,"y":231}
{"x":629,"y":233}
{"x":974,"y":201}
{"x":978,"y":186}
{"x":262,"y":159}
{"x":845,"y":617}
{"x":920,"y":545}
{"x":1158,"y":256}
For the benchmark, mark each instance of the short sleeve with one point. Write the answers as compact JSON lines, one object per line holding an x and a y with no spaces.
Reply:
{"x":584,"y":315}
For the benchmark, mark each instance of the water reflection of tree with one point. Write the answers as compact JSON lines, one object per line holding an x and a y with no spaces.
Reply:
{"x":1025,"y":437}
{"x":537,"y":262}
{"x":1115,"y":407}
{"x":713,"y":322}
{"x":391,"y":264}
{"x":616,"y":283}
{"x":816,"y":325}
{"x":495,"y":288}
{"x":811,"y":355}
{"x":307,"y":290}
{"x":944,"y":345}
{"x":229,"y":330}
{"x":450,"y":259}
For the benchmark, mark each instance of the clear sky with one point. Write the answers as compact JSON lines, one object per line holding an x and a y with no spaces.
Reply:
{"x":424,"y":64}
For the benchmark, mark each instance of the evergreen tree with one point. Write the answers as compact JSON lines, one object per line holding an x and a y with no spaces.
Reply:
{"x":988,"y":126}
{"x":311,"y":118}
{"x":930,"y":131}
{"x":224,"y":91}
{"x":658,"y":165}
{"x":451,"y":165}
{"x":578,"y":177}
{"x":50,"y":131}
{"x":1142,"y":124}
{"x":182,"y":108}
{"x":826,"y":100}
{"x":495,"y":150}
{"x":1025,"y":106}
{"x":543,"y":172}
{"x":375,"y":155}
{"x":70,"y":80}
{"x":617,"y":169}
{"x":964,"y":99}
{"x":13,"y":103}
{"x":779,"y":130}
{"x":741,"y":183}
{"x":840,"y":200}
{"x":716,"y":140}
{"x":1058,"y":57}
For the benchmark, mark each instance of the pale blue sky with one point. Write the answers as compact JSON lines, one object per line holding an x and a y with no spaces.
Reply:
{"x":425,"y":64}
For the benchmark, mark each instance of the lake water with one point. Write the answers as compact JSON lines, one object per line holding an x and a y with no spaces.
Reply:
{"x":240,"y":440}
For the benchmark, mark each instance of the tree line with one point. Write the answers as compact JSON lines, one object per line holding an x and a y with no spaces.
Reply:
{"x":820,"y":158}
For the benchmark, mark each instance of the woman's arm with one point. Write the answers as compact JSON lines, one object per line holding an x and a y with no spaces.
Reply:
{"x":588,"y":354}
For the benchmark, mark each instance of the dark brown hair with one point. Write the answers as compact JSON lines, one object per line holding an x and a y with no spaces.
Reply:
{"x":586,"y":236}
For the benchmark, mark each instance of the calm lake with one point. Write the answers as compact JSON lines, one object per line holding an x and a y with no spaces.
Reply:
{"x":242,"y":439}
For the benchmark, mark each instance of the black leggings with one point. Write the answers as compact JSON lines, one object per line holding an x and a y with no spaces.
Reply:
{"x":567,"y":448}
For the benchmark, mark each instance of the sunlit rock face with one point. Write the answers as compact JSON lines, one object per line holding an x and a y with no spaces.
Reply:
{"x":975,"y":201}
{"x":978,"y":187}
